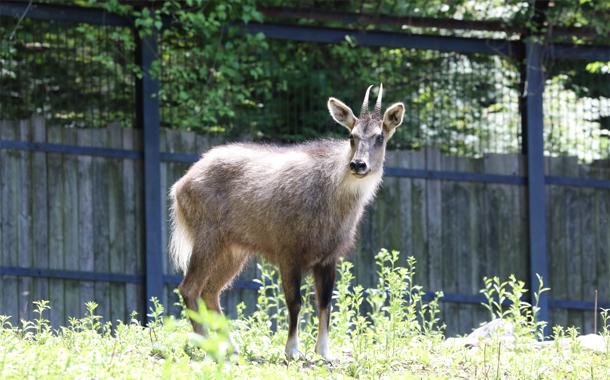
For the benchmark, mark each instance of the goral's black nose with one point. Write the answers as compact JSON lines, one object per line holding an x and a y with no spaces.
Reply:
{"x":357,"y":166}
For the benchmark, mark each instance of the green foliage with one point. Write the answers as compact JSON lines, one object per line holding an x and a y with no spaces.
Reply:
{"x":398,"y":338}
{"x":216,"y":80}
{"x":196,"y":88}
{"x":523,"y":315}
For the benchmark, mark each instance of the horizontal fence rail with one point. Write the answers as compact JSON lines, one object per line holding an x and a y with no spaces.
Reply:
{"x":409,"y":20}
{"x":72,"y":275}
{"x":255,"y":285}
{"x":388,"y":171}
{"x":387,"y":39}
{"x":98,"y":16}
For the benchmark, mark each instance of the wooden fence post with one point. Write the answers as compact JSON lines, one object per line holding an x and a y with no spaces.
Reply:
{"x":536,"y":181}
{"x":148,"y":110}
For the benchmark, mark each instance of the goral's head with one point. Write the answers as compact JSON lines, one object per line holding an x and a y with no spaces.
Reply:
{"x":369,"y":133}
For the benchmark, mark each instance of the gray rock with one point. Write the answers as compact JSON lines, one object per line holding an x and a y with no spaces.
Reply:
{"x":497,"y":327}
{"x":593,"y":342}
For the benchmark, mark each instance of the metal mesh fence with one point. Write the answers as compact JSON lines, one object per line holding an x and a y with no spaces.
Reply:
{"x":83,"y":76}
{"x":73,"y":75}
{"x":465,"y":104}
{"x":577,"y":111}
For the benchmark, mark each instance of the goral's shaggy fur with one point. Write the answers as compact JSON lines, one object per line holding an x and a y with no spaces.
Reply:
{"x":297,"y":206}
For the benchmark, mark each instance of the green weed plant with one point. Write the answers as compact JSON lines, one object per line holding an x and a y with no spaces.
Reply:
{"x":385,"y":332}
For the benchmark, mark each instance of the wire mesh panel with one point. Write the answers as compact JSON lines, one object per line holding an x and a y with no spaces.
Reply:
{"x":85,"y":76}
{"x":577,"y":110}
{"x":82,"y":75}
{"x":73,"y":75}
{"x":465,"y":104}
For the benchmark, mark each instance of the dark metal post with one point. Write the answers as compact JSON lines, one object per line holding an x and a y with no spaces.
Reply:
{"x":535,"y":166}
{"x":149,"y":119}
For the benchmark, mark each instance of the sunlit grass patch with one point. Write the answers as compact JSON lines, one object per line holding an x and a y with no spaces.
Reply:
{"x":399,"y":338}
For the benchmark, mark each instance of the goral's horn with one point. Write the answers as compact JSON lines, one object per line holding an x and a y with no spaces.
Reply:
{"x":364,"y":112}
{"x":377,"y":110}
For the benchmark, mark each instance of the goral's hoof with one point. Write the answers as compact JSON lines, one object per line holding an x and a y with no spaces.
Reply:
{"x":325,"y":354}
{"x":292,"y":353}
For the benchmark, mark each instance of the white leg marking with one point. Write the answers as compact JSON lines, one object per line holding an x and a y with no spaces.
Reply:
{"x":235,"y":348}
{"x":322,"y":345}
{"x":292,"y":346}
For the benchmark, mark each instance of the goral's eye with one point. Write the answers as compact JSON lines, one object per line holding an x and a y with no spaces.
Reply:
{"x":380,"y":138}
{"x":351,"y":137}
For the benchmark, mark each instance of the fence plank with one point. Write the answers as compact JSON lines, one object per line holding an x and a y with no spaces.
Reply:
{"x":10,"y":217}
{"x":601,"y":170}
{"x":101,"y":239}
{"x":173,"y":144}
{"x":403,"y":225}
{"x":517,"y":263}
{"x":29,"y":291}
{"x":574,"y":247}
{"x":465,"y":242}
{"x":72,"y":218}
{"x":506,"y":212}
{"x":85,"y":218}
{"x":451,"y":227}
{"x":521,"y":232}
{"x":166,"y":178}
{"x":556,"y":236}
{"x":39,"y":212}
{"x":55,"y":199}
{"x":377,"y":217}
{"x":129,"y":211}
{"x":434,"y":225}
{"x":494,"y":194}
{"x":138,"y":144}
{"x":166,"y":145}
{"x":390,"y":224}
{"x":481,"y":226}
{"x":589,"y":250}
{"x":116,"y":224}
{"x":603,"y":234}
{"x":419,"y":225}
{"x":433,"y":221}
{"x":362,"y":262}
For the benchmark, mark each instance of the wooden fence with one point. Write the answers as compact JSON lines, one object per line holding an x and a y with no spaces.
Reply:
{"x":85,"y":213}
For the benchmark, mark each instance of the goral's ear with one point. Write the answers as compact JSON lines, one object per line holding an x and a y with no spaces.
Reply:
{"x":341,"y":113}
{"x":393,"y":117}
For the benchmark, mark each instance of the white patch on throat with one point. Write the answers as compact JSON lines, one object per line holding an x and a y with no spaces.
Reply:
{"x":365,"y":187}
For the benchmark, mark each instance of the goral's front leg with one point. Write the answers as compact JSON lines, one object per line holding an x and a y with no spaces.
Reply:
{"x":291,"y":279}
{"x":324,"y":282}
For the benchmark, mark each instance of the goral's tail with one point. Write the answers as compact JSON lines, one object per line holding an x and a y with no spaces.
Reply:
{"x":182,"y":239}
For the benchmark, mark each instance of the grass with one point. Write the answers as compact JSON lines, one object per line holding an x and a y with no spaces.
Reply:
{"x":399,"y":338}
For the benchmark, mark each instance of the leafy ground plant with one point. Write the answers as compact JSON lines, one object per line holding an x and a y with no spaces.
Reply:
{"x":399,"y":337}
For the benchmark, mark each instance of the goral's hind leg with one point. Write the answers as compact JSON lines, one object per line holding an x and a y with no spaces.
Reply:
{"x":206,"y":277}
{"x":225,"y":270}
{"x":324,"y":281}
{"x":197,"y":275}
